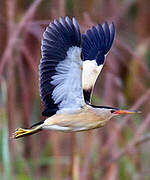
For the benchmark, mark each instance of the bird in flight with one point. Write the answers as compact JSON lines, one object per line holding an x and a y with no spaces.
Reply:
{"x":69,"y":67}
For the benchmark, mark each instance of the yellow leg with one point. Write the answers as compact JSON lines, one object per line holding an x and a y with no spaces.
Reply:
{"x":25,"y":132}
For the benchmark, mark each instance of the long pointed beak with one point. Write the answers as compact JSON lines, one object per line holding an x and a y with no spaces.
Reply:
{"x":119,"y":112}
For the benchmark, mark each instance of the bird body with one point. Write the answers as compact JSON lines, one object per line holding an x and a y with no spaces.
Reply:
{"x":84,"y":119}
{"x":68,"y":70}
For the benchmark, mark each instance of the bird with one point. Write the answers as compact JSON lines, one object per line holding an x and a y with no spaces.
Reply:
{"x":70,"y":65}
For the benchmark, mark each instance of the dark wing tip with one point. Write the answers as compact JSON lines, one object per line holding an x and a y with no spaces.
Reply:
{"x":112,"y":33}
{"x":109,"y":31}
{"x":78,"y":34}
{"x":65,"y":30}
{"x":97,"y":41}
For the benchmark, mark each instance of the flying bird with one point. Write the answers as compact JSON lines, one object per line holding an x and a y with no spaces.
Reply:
{"x":69,"y":67}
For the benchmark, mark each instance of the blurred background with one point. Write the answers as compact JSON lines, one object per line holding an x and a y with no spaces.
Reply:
{"x":120,"y":150}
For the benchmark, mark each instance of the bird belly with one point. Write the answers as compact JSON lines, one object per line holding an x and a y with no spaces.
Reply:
{"x":80,"y":121}
{"x":56,"y":128}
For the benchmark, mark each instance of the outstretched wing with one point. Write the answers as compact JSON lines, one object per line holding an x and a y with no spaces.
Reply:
{"x":96,"y":43}
{"x":60,"y":68}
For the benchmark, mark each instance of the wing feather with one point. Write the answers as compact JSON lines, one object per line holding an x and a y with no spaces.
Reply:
{"x":96,"y":43}
{"x":60,"y":67}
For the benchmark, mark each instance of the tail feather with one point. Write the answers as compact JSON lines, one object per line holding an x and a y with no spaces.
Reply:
{"x":20,"y":132}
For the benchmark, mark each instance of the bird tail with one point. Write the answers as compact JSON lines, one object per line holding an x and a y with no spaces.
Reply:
{"x":20,"y":132}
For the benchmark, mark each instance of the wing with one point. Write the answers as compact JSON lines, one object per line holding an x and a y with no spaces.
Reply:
{"x":60,"y":68}
{"x":96,"y":43}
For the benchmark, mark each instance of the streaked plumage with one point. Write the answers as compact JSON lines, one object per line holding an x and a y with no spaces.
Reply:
{"x":66,"y":80}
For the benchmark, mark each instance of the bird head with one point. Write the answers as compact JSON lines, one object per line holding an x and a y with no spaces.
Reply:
{"x":108,"y":112}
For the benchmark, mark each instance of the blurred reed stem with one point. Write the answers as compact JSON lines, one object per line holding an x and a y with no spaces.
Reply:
{"x":5,"y":143}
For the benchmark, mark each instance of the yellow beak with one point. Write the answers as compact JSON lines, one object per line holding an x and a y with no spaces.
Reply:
{"x":119,"y":112}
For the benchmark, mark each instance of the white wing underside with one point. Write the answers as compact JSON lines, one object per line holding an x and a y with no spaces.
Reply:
{"x":68,"y":91}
